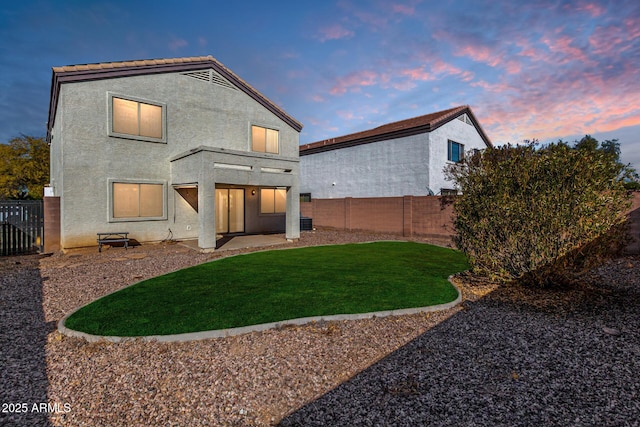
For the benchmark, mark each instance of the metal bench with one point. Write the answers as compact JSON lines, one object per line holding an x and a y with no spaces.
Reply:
{"x":113,"y":237}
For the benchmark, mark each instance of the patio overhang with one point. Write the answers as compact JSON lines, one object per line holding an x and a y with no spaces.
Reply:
{"x":204,"y":167}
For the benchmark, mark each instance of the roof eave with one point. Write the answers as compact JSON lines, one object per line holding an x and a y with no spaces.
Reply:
{"x":319,"y":147}
{"x":328,"y":145}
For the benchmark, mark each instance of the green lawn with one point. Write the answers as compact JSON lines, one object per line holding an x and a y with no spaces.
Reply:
{"x":277,"y":285}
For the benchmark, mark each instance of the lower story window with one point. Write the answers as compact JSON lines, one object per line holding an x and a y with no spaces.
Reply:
{"x":273,"y":200}
{"x":135,"y":200}
{"x":448,"y":192}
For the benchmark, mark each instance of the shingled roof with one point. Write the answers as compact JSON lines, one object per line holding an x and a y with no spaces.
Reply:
{"x":107,"y":70}
{"x":403,"y":128}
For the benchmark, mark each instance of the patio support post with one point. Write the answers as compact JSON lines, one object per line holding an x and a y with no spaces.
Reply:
{"x":293,"y":211}
{"x":207,"y":212}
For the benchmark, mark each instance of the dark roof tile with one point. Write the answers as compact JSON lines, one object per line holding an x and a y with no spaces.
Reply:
{"x":412,"y":126}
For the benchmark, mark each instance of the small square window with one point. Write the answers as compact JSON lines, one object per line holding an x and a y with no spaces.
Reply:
{"x":305,"y":197}
{"x":455,"y":152}
{"x":264,"y":140}
{"x":273,"y":200}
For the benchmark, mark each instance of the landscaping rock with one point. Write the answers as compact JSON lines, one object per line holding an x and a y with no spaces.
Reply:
{"x":515,"y":357}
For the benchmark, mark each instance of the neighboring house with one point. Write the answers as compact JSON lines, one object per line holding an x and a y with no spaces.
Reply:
{"x":393,"y":160}
{"x":179,"y":148}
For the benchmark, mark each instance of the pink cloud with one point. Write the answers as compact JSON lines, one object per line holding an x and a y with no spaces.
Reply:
{"x":513,"y":67}
{"x":528,"y":50}
{"x":176,"y":44}
{"x":557,"y":109}
{"x":296,"y":74}
{"x":403,"y":9}
{"x":564,"y":46}
{"x":347,"y":115}
{"x":604,"y":40}
{"x":404,"y":86}
{"x":441,"y":67}
{"x":334,"y":32}
{"x":592,"y":9}
{"x":479,"y":54}
{"x":632,"y":26}
{"x":354,"y":81}
{"x":417,"y":74}
{"x":376,"y":22}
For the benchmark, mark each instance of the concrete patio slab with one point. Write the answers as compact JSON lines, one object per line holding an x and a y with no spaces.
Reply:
{"x":253,"y":241}
{"x":241,"y":242}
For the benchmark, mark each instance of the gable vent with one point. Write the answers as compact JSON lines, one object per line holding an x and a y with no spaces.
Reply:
{"x":211,"y":77}
{"x":465,"y":118}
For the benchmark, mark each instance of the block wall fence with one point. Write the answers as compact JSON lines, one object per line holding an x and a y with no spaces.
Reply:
{"x":420,"y":216}
{"x":424,"y":216}
{"x":427,"y":216}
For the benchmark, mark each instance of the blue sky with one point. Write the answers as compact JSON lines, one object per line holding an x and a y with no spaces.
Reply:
{"x":536,"y":69}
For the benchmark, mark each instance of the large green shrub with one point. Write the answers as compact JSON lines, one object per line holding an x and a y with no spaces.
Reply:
{"x":540,"y":215}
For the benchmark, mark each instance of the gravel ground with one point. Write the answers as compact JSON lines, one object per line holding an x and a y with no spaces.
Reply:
{"x":505,"y":357}
{"x":516,"y":357}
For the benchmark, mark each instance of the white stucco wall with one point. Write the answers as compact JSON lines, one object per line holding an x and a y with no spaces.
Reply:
{"x":455,"y":130}
{"x":398,"y":167}
{"x":379,"y":169}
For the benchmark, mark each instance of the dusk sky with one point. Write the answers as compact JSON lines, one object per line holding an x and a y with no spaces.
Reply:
{"x":536,"y":69}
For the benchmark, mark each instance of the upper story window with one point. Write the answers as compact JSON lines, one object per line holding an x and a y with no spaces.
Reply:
{"x":455,"y":151}
{"x":137,"y":119}
{"x":265,"y":140}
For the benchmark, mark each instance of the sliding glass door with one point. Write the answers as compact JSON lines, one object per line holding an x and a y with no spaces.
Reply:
{"x":229,"y":210}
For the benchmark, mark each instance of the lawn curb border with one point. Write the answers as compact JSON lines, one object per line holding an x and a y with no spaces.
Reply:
{"x":223,"y":333}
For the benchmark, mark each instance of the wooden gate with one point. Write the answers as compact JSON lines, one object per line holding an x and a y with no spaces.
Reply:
{"x":21,"y":227}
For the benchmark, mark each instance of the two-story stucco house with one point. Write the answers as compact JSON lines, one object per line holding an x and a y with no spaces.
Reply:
{"x":393,"y":160}
{"x":180,"y":148}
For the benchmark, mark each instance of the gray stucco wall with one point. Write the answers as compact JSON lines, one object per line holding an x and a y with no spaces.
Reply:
{"x":85,"y":159}
{"x":391,"y":168}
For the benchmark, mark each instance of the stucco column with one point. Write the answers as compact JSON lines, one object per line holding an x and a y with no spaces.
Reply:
{"x":293,"y":212}
{"x":207,"y":211}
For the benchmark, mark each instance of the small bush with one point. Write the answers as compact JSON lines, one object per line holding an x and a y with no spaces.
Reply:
{"x":540,"y":215}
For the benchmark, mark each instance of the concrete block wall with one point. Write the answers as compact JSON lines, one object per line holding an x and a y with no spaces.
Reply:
{"x":407,"y":216}
{"x":427,"y":216}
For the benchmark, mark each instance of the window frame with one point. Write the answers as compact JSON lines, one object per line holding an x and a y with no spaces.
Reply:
{"x":266,"y":128}
{"x":450,"y":151}
{"x":113,"y":218}
{"x":110,"y":131}
{"x":275,"y":212}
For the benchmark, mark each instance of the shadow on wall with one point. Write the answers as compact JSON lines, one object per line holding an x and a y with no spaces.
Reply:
{"x":23,"y":336}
